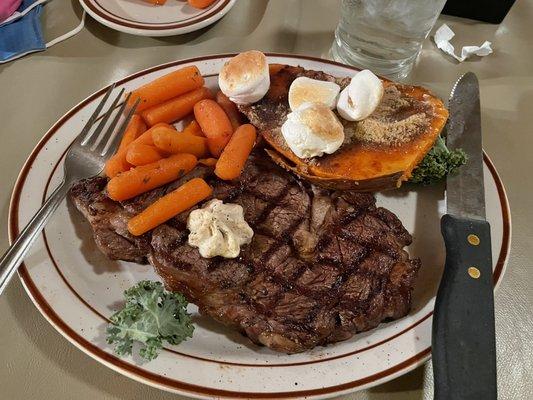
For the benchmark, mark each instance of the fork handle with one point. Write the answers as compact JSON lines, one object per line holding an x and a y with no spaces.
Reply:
{"x":14,"y":255}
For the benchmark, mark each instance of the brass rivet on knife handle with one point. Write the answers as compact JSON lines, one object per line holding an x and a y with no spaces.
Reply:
{"x":473,"y":239}
{"x":474,"y":272}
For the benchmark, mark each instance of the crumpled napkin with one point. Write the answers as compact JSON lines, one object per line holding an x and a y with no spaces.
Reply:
{"x":442,"y":38}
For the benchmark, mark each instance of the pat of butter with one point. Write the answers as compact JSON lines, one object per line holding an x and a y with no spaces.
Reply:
{"x":306,"y":90}
{"x":219,"y":229}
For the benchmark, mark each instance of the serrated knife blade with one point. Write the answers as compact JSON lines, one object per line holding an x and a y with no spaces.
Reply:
{"x":465,"y":191}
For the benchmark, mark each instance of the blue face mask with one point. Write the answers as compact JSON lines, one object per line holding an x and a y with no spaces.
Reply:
{"x":21,"y":33}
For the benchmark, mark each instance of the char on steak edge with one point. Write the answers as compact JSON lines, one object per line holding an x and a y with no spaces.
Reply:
{"x":322,"y":265}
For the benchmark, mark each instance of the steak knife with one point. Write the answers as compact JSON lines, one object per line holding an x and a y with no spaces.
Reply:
{"x":463,"y":340}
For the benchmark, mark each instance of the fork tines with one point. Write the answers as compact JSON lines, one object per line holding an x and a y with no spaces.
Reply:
{"x":104,"y":142}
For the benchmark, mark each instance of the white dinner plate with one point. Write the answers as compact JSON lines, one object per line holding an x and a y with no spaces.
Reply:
{"x":77,"y":289}
{"x":141,"y":18}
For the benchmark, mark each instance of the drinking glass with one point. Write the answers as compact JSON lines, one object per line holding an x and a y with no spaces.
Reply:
{"x":384,"y":36}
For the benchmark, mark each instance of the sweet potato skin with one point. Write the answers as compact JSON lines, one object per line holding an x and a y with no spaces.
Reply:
{"x":377,"y":184}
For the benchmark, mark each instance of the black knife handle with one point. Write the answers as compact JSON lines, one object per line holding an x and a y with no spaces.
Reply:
{"x":463,"y":340}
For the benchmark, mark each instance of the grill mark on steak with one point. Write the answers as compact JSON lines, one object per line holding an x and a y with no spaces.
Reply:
{"x":321,"y":265}
{"x":285,"y":240}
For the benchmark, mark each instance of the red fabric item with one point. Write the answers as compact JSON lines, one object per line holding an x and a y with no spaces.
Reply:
{"x":8,"y":7}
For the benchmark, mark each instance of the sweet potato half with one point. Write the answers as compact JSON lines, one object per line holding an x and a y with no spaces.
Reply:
{"x":357,"y":165}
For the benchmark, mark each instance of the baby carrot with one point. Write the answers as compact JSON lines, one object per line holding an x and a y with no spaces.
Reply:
{"x":231,"y":162}
{"x":147,"y":177}
{"x":175,"y":108}
{"x":118,"y":163}
{"x":208,"y":162}
{"x":170,"y":205}
{"x":166,"y":87}
{"x":170,"y":126}
{"x":135,"y":128}
{"x":146,"y":137}
{"x":215,"y":125}
{"x":174,"y":142}
{"x":142,"y":154}
{"x":194,"y":129}
{"x":200,"y":3}
{"x":230,"y":109}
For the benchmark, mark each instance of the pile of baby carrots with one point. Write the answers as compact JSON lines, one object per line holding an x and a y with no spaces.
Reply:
{"x":153,"y":153}
{"x":193,"y":3}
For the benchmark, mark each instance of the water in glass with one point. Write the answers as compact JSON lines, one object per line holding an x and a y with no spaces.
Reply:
{"x":384,"y":35}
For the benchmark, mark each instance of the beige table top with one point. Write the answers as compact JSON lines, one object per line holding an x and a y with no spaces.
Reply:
{"x":37,"y":363}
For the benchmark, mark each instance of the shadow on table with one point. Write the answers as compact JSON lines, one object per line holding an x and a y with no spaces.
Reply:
{"x":300,"y":33}
{"x":288,"y":40}
{"x":125,"y":40}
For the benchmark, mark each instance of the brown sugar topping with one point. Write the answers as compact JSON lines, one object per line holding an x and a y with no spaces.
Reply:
{"x":397,"y":120}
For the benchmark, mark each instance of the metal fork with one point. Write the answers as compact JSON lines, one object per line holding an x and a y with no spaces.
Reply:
{"x":85,"y":158}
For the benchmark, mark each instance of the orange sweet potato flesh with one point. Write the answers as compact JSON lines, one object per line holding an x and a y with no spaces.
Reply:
{"x":366,"y":167}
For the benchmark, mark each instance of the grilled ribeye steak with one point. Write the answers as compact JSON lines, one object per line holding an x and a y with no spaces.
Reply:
{"x":322,"y":265}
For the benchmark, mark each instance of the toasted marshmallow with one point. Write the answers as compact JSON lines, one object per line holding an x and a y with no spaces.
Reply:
{"x":312,"y":130}
{"x":361,"y":97}
{"x":245,"y":78}
{"x":307,"y":90}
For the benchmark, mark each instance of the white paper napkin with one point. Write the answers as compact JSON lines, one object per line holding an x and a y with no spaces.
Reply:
{"x":442,"y":38}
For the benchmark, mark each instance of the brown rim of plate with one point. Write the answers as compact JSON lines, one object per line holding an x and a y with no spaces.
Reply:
{"x":109,"y":16}
{"x":172,"y":384}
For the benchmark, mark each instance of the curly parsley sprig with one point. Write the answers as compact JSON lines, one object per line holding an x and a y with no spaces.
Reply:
{"x":438,"y":163}
{"x":151,"y":316}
